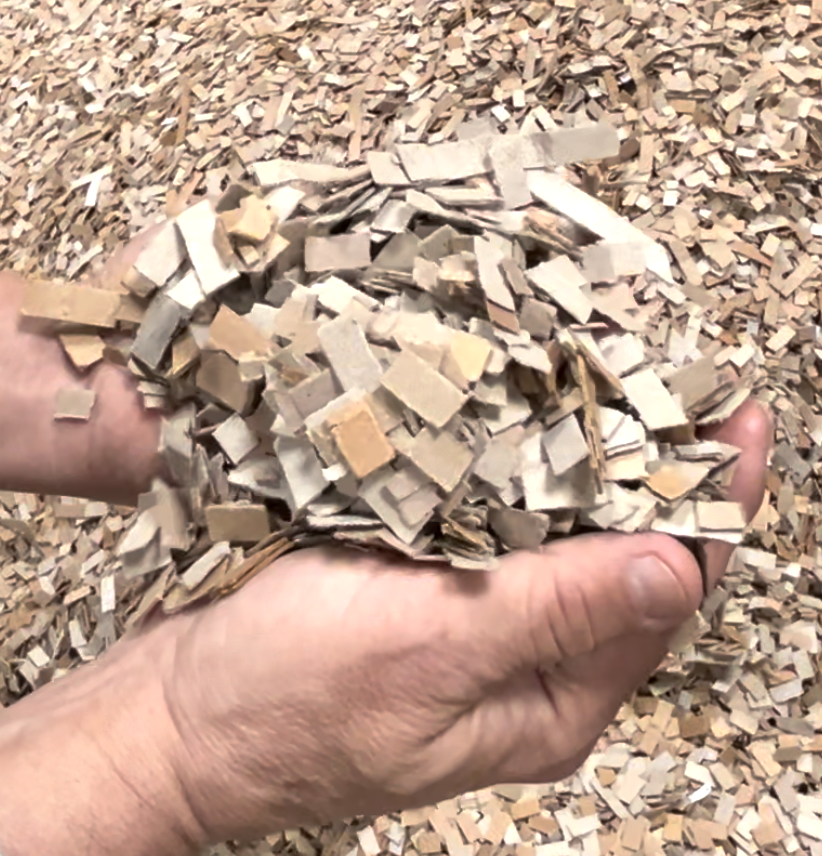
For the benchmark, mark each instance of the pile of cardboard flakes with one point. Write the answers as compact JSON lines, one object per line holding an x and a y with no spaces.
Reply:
{"x":449,"y":351}
{"x":110,"y":115}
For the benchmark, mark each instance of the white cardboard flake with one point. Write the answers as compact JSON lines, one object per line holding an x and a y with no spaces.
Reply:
{"x":197,"y":225}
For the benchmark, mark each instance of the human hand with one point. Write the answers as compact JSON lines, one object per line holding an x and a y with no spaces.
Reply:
{"x":111,"y":457}
{"x":336,"y":684}
{"x":332,"y":684}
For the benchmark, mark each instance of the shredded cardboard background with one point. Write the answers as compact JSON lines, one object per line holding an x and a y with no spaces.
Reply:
{"x":720,"y":119}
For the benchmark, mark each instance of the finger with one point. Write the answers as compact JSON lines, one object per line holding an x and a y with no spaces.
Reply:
{"x":559,"y":708}
{"x":543,"y":725}
{"x":580,"y":594}
{"x":750,"y":429}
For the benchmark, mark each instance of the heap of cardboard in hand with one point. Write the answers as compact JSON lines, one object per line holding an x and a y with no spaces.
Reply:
{"x":444,"y":352}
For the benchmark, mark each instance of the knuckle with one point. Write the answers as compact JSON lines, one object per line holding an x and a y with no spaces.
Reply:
{"x":559,"y":619}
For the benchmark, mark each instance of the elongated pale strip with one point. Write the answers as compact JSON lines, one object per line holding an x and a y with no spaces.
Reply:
{"x":597,"y":217}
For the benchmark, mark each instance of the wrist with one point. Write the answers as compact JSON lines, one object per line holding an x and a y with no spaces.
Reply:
{"x":252,"y":744}
{"x":90,"y":762}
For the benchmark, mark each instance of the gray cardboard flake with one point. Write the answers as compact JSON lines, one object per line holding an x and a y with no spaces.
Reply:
{"x":565,"y":445}
{"x":561,"y":281}
{"x":443,"y":162}
{"x":351,"y":358}
{"x":338,"y":252}
{"x":423,"y":389}
{"x":441,"y":457}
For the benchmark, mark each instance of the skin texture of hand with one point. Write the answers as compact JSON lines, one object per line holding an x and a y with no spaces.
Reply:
{"x":88,"y":761}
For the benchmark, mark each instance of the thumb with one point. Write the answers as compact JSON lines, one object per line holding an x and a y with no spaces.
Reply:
{"x":579,"y":594}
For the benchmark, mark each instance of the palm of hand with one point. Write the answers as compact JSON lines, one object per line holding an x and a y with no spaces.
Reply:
{"x":379,"y":683}
{"x":352,"y":686}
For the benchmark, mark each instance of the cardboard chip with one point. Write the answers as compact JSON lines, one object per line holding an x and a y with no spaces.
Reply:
{"x":339,"y":252}
{"x":715,"y":516}
{"x":440,"y":456}
{"x":197,"y":225}
{"x":519,"y":530}
{"x":546,"y":492}
{"x":277,"y":172}
{"x":565,"y":445}
{"x":184,"y":353}
{"x":606,"y":261}
{"x":314,"y":393}
{"x":236,"y":439}
{"x":90,"y":307}
{"x":350,"y":355}
{"x":508,"y":164}
{"x":694,"y":383}
{"x":537,"y":318}
{"x":465,"y":359}
{"x":336,"y":295}
{"x":679,"y":521}
{"x":465,"y":197}
{"x":219,"y":376}
{"x":252,"y":221}
{"x":302,"y":468}
{"x":656,"y":407}
{"x":386,"y":170}
{"x":374,"y":492}
{"x":442,"y":163}
{"x":74,"y":404}
{"x":84,"y":350}
{"x":499,"y":463}
{"x":623,"y":353}
{"x":361,"y":440}
{"x":674,"y":479}
{"x":561,"y":281}
{"x":187,"y":291}
{"x":237,"y":523}
{"x":156,"y":332}
{"x":196,"y":573}
{"x":235,"y":335}
{"x":423,"y":389}
{"x":515,"y":411}
{"x":490,"y":275}
{"x":587,"y":142}
{"x":406,"y":482}
{"x":158,"y":262}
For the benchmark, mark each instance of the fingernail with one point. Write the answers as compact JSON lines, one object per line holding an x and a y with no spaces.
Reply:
{"x":660,"y":595}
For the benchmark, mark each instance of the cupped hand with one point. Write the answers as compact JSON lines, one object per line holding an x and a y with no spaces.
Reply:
{"x":337,"y":683}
